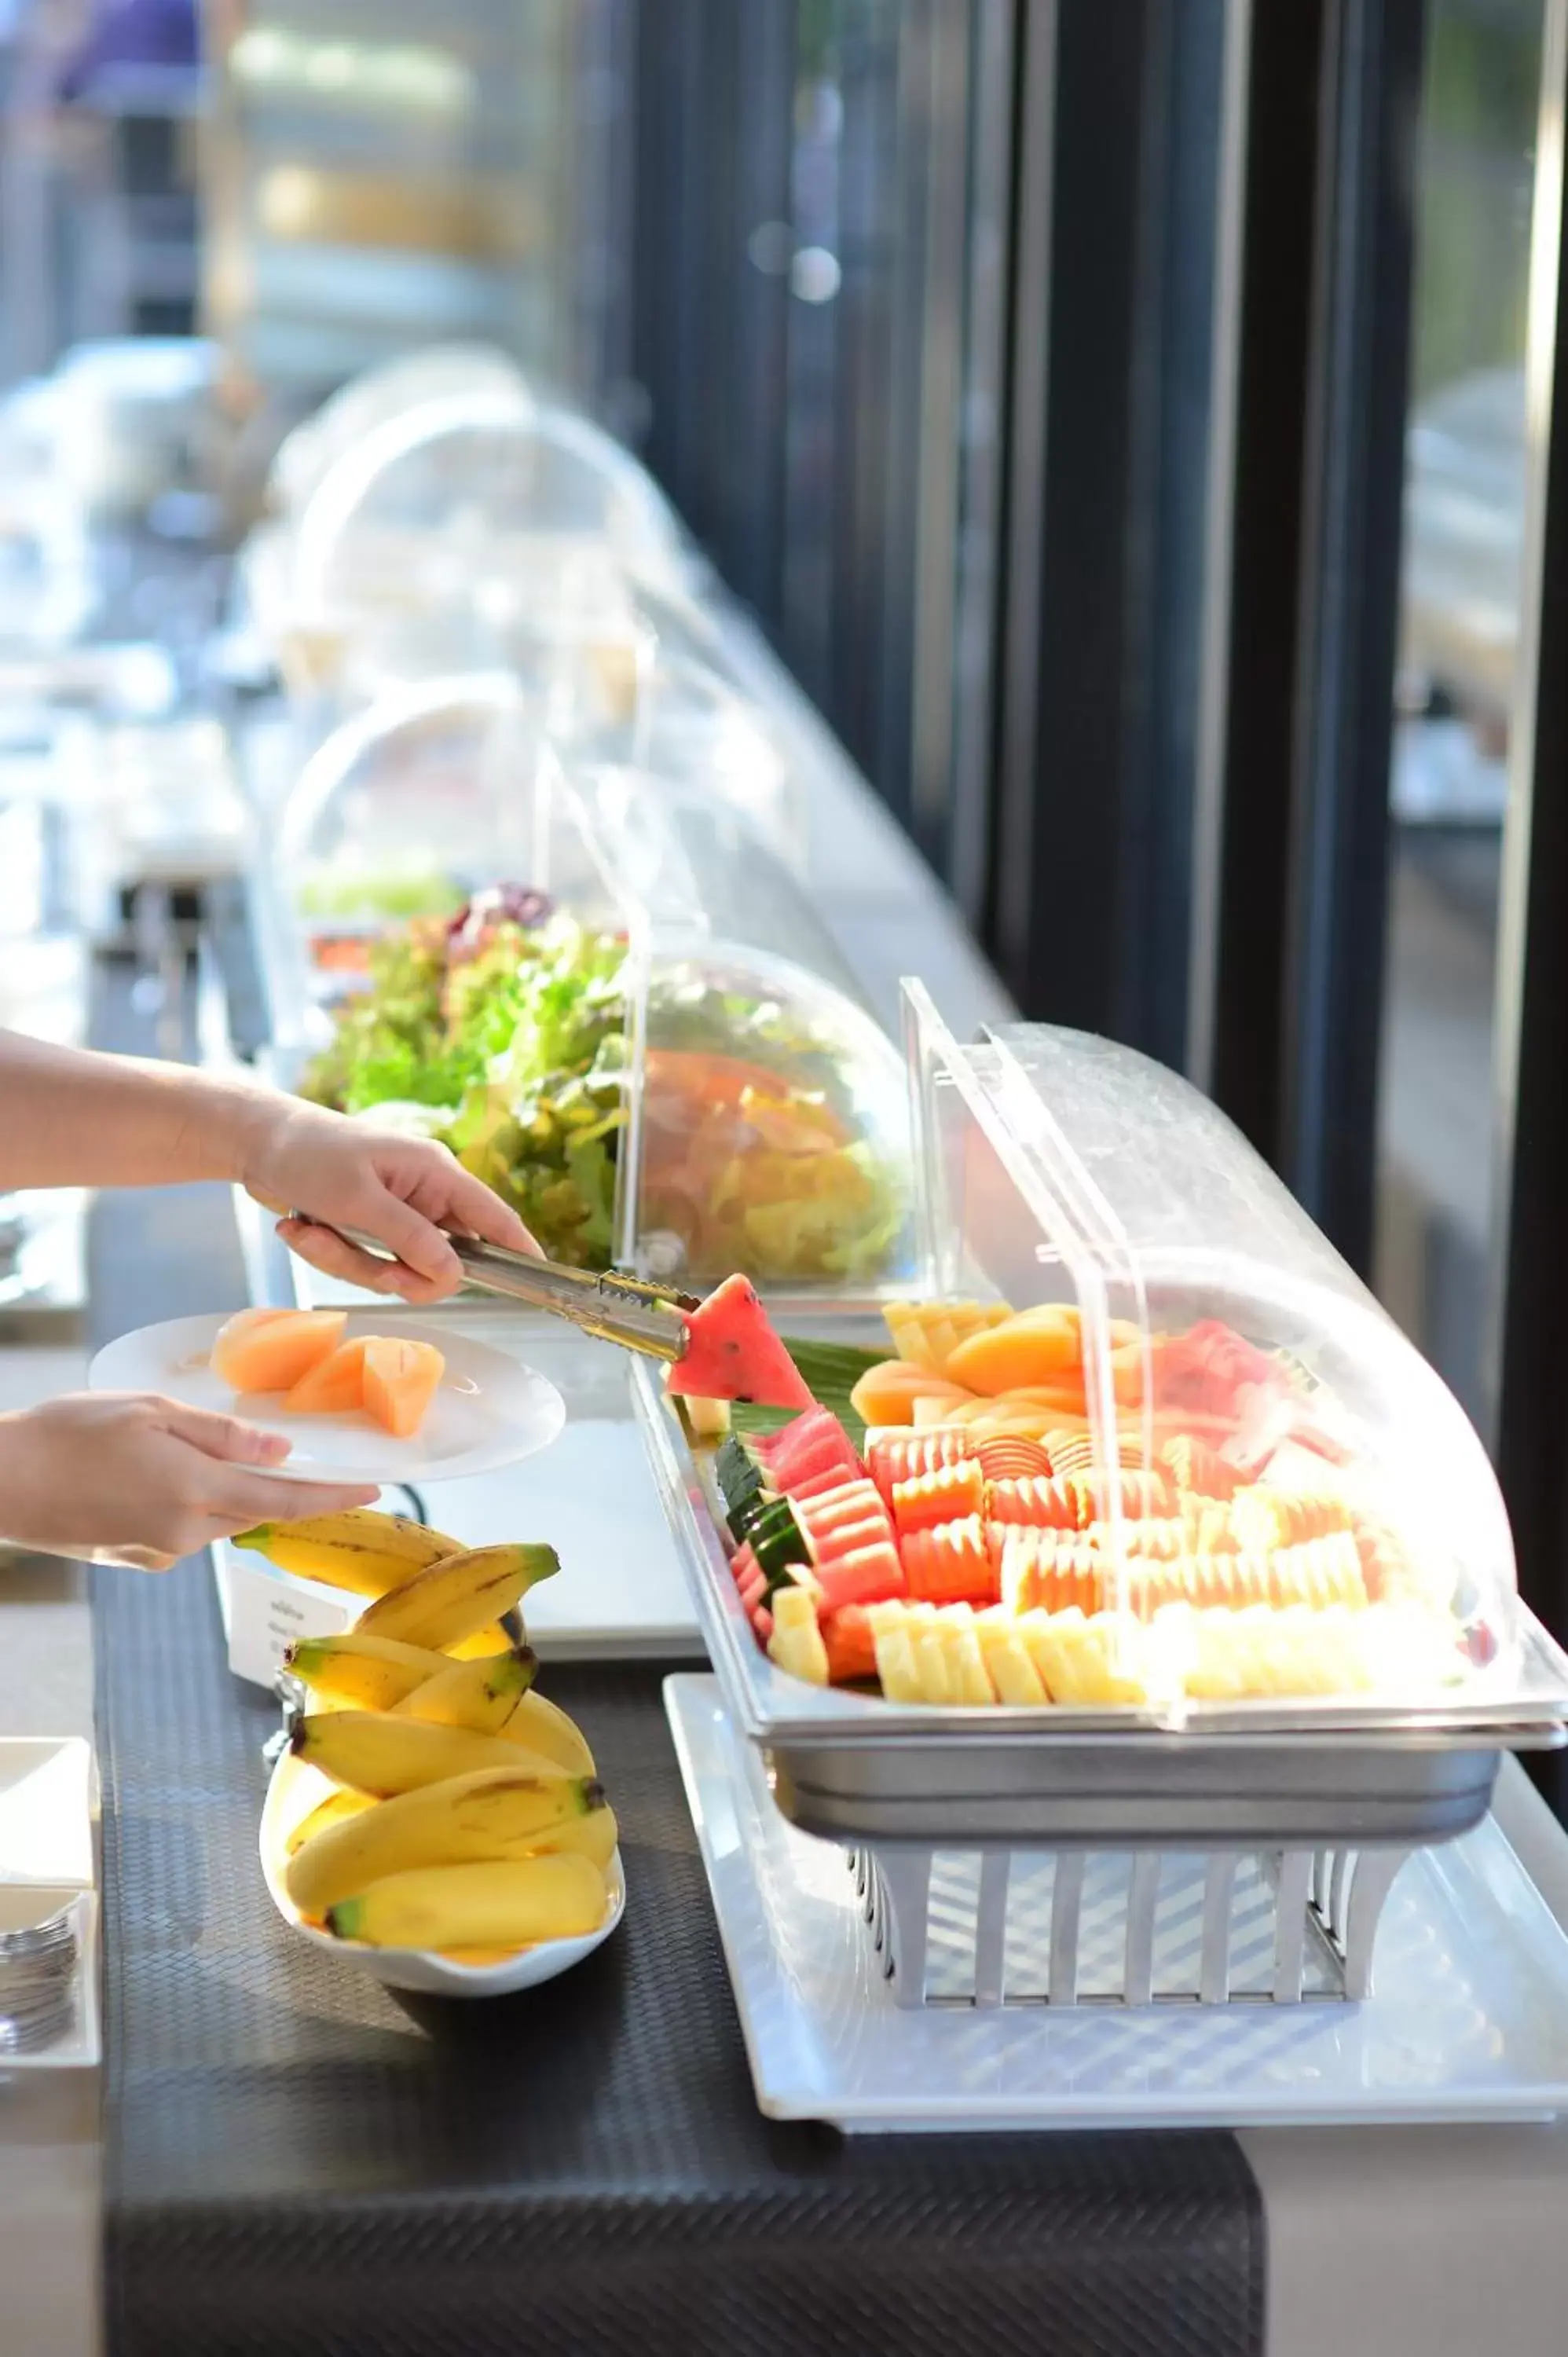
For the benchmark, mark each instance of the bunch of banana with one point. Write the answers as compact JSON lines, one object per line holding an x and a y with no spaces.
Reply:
{"x":373,"y":1554}
{"x":469,"y":1817}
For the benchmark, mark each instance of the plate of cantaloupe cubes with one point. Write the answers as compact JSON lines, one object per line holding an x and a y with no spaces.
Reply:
{"x":360,"y":1396}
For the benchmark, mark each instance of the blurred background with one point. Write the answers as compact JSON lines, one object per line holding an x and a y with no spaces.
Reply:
{"x":1133,"y":426}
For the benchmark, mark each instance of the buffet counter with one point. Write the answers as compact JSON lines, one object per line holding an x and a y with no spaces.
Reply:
{"x":276,"y":2147}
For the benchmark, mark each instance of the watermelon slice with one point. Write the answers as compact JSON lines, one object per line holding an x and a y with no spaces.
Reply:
{"x":815,"y":1443}
{"x":849,"y":1538}
{"x":820,"y":1485}
{"x":828,"y":1506}
{"x":869,"y":1575}
{"x":810,"y":1425}
{"x":733,"y":1354}
{"x":802,"y":1438}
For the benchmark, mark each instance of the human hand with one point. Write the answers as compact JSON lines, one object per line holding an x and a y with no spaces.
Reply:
{"x":125,"y":1477}
{"x":402,"y":1190}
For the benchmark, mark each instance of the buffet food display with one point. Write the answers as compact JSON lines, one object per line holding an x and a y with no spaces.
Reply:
{"x":1108,"y":1516}
{"x":606,"y":997}
{"x":1140,"y":1460}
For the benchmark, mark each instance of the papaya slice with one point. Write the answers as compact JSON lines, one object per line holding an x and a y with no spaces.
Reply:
{"x":401,"y":1378}
{"x":886,"y":1393}
{"x":1041,"y":1347}
{"x":273,"y":1350}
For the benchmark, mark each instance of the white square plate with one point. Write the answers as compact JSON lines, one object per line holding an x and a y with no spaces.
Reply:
{"x":47,"y":1796}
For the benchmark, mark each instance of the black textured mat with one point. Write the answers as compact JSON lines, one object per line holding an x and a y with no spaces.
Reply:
{"x":297,"y":2160}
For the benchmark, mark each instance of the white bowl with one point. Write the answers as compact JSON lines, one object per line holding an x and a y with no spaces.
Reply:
{"x":295,"y":1789}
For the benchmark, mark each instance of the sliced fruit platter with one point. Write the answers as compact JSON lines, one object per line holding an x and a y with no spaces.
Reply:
{"x":503,"y":1028}
{"x":940,"y":1527}
{"x":305,"y":1357}
{"x":436,"y":1816}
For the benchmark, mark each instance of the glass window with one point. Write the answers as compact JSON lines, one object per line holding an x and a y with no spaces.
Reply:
{"x":1459,"y":675}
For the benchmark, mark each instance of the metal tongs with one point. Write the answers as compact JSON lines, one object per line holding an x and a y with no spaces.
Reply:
{"x":631,"y":1311}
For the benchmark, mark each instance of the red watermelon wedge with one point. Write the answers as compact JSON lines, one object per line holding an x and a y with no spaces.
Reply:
{"x":733,"y":1354}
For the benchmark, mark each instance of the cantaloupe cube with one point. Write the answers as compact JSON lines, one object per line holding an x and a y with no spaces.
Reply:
{"x":273,"y":1350}
{"x":335,"y":1386}
{"x":401,"y":1378}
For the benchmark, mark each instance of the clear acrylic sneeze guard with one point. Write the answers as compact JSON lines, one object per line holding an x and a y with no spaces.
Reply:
{"x":604,"y":992}
{"x":1275,"y":1673}
{"x":1286,"y":1533}
{"x":473,"y":528}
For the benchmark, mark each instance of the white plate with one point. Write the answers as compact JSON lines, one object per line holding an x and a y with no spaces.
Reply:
{"x":295,"y":1789}
{"x":489,"y":1411}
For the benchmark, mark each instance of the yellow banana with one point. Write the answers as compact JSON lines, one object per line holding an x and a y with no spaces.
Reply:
{"x":545,"y":1727}
{"x":493,"y":1639}
{"x":362,"y":1673}
{"x":362,"y":1550}
{"x":498,"y":1813}
{"x":481,"y":1695}
{"x":592,"y":1834}
{"x":335,"y":1810}
{"x":381,"y":1755}
{"x":448,"y":1601}
{"x":510,"y":1905}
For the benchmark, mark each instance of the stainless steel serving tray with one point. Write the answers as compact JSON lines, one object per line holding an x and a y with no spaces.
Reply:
{"x":1264,"y":1775}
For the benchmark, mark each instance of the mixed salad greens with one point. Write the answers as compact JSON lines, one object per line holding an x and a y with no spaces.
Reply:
{"x":502,"y":1030}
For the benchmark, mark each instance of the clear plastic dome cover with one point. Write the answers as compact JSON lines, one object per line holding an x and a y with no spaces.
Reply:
{"x":606,"y":996}
{"x":1260,"y":1495}
{"x":690,"y":725}
{"x":478,"y":496}
{"x":426,"y":796}
{"x":367,"y":404}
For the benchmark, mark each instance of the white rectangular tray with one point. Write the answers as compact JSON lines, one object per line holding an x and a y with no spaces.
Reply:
{"x":1468,"y":2019}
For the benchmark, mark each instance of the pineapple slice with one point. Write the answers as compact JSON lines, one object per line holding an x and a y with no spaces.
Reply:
{"x":1011,"y":1673}
{"x":942,"y":1338}
{"x":1040,"y":1634}
{"x":796,"y":1645}
{"x":938,"y":1684}
{"x":969,"y":1667}
{"x":897,"y":1667}
{"x":926,"y":1333}
{"x":905,"y":1323}
{"x":1091,"y":1661}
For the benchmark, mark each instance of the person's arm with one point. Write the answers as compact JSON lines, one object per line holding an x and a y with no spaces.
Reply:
{"x":71,"y":1118}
